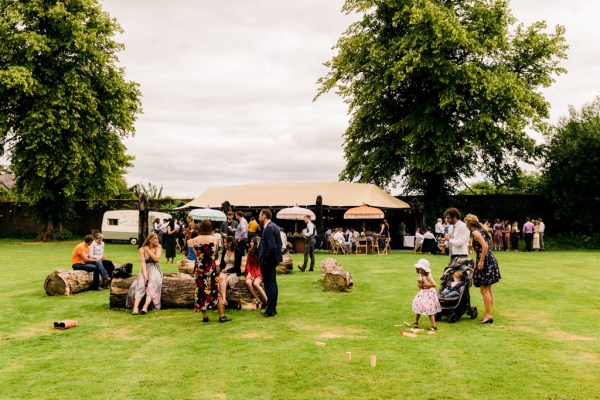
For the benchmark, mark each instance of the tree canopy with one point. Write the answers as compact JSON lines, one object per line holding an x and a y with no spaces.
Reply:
{"x":571,"y":170}
{"x":440,"y":90}
{"x":64,"y":103}
{"x":519,"y":183}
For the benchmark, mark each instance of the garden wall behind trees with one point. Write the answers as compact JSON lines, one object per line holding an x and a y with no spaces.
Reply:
{"x":18,"y":221}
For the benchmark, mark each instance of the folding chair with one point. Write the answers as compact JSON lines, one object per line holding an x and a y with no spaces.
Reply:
{"x":336,"y":248}
{"x":375,"y":245}
{"x":362,"y":246}
{"x":387,"y":249}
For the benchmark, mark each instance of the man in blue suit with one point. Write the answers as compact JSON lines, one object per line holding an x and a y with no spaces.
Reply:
{"x":269,"y":256}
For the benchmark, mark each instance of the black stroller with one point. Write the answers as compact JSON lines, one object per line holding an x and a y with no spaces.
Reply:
{"x":454,"y":306}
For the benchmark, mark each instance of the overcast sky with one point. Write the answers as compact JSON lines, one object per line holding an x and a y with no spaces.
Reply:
{"x":228,"y":85}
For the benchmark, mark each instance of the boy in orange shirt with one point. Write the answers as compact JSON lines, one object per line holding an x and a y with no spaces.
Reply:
{"x":81,"y":259}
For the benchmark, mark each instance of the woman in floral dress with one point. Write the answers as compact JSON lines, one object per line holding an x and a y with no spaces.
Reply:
{"x":206,"y":295}
{"x":486,"y":271}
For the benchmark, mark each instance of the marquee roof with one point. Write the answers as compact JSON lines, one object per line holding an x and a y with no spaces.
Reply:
{"x":334,"y":194}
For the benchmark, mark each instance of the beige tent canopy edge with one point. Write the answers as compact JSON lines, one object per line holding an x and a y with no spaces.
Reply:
{"x":334,"y":194}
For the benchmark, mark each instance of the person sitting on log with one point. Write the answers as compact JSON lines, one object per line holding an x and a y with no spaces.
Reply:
{"x":231,"y":266}
{"x":81,"y":259}
{"x":97,"y":249}
{"x":149,"y":281}
{"x":190,"y":245}
{"x":253,"y":276}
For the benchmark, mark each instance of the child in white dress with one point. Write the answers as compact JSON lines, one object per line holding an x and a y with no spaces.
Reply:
{"x":426,"y":301}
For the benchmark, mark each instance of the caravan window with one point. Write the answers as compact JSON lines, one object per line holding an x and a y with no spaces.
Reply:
{"x":113,"y":221}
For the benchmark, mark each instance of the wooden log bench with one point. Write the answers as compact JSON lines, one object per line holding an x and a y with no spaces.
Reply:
{"x":178,"y":292}
{"x":64,"y":282}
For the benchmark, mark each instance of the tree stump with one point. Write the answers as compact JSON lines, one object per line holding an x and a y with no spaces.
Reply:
{"x":286,"y":266}
{"x":178,"y":292}
{"x":334,"y":276}
{"x":63,"y":282}
{"x":336,"y":282}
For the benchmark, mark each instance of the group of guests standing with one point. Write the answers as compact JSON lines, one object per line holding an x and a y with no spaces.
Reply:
{"x":204,"y":247}
{"x":506,"y":235}
{"x":458,"y":240}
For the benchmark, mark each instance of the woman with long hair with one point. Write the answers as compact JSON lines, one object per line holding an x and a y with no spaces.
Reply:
{"x":507,"y":229}
{"x":486,"y":271}
{"x":231,"y":266}
{"x":207,"y":296}
{"x":514,"y":236}
{"x":149,"y":281}
{"x":170,"y":242}
{"x":253,"y":275}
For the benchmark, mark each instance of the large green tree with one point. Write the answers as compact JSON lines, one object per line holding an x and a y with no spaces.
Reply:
{"x":571,"y":170}
{"x":64,"y":104}
{"x":440,"y":90}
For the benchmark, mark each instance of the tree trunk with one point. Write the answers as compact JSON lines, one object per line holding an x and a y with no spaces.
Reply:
{"x":143,"y":219}
{"x":63,"y":282}
{"x":47,"y":233}
{"x":178,"y":292}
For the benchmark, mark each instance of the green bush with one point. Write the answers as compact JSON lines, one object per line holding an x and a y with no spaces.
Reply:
{"x":573,"y":241}
{"x":64,"y":234}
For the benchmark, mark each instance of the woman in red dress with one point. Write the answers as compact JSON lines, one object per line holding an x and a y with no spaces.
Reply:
{"x":253,"y":276}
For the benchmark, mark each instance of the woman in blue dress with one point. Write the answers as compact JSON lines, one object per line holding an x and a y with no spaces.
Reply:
{"x":486,"y":271}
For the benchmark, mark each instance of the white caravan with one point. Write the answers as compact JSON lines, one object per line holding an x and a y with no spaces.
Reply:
{"x":124,"y":224}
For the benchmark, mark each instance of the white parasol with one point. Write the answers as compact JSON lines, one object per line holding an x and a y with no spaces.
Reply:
{"x":295,"y":213}
{"x":200,"y":214}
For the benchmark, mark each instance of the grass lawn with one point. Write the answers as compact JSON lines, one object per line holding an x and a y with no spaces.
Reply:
{"x":544,"y":344}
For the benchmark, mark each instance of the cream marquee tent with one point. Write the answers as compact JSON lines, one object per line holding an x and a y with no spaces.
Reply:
{"x":334,"y":194}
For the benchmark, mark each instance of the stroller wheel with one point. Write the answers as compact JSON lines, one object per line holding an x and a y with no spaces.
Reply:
{"x":452,"y":318}
{"x":473,"y":312}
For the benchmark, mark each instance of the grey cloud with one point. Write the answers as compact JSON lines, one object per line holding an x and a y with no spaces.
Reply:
{"x":228,"y":86}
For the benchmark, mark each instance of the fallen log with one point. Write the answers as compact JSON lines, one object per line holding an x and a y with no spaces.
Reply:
{"x":63,"y":282}
{"x":178,"y":292}
{"x":286,"y":266}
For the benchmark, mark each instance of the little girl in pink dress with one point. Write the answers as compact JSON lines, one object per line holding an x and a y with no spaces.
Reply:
{"x":426,"y":301}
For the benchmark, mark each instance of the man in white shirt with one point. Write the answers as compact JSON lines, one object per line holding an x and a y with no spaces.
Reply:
{"x":309,"y":234}
{"x":353,"y":236}
{"x":439,"y":229}
{"x":338,"y":236}
{"x":542,"y":230}
{"x":241,"y":232}
{"x":458,"y":240}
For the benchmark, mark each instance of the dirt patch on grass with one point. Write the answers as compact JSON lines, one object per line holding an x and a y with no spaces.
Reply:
{"x":254,"y":335}
{"x":382,"y":271}
{"x":557,"y":334}
{"x":121,"y":333}
{"x":40,"y":329}
{"x":343,"y":332}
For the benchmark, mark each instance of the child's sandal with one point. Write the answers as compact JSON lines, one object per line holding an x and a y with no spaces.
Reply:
{"x":433,"y":328}
{"x":416,"y":325}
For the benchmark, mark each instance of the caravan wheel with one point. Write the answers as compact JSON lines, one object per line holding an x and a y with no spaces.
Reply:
{"x":133,"y":240}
